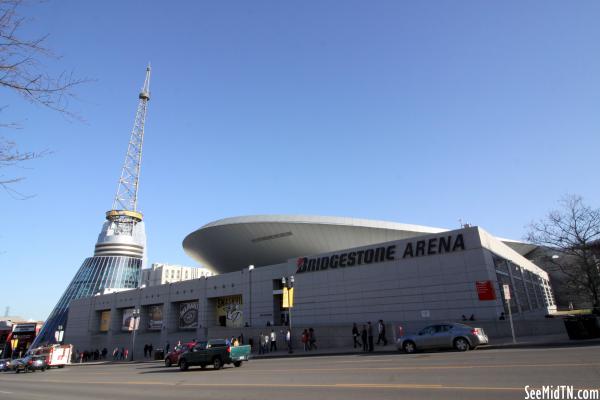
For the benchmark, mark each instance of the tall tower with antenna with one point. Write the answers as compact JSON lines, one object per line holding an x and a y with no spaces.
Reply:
{"x":120,"y":251}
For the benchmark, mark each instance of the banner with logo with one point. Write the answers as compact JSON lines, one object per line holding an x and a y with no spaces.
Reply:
{"x":229,"y":311}
{"x":104,"y":321}
{"x":188,"y":315}
{"x":155,"y":318}
{"x":127,"y":320}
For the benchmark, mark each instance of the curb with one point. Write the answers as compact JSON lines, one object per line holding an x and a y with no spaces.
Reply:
{"x":570,"y":343}
{"x":300,"y":354}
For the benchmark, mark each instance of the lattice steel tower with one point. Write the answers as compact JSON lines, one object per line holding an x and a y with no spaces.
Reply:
{"x":120,"y":251}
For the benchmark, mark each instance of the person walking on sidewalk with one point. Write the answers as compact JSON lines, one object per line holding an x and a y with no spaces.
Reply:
{"x":355,"y":335}
{"x":381,"y":330}
{"x":273,"y":340}
{"x":312,"y":339}
{"x":267,"y":342}
{"x":370,"y":334}
{"x":305,"y":340}
{"x":261,"y":343}
{"x":288,"y":339}
{"x":365,"y":344}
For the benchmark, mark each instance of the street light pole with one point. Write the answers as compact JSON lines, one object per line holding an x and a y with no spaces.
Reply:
{"x":250,"y":269}
{"x":135,"y":315}
{"x":289,"y":284}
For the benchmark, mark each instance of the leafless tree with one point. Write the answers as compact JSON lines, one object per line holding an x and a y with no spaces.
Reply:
{"x":22,"y":72}
{"x":574,"y":232}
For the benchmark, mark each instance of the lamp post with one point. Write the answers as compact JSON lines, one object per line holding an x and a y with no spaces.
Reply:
{"x":134,"y":316}
{"x":250,"y":269}
{"x":288,"y":285}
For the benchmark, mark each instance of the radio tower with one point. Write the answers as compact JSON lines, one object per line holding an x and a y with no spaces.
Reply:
{"x":127,"y":190}
{"x":120,"y":251}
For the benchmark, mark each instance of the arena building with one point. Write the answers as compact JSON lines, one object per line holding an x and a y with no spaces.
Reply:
{"x":345,"y":270}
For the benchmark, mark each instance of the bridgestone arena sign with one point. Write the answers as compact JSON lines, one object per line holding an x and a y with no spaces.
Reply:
{"x":425,"y":247}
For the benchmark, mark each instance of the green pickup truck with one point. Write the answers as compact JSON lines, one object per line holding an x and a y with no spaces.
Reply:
{"x":215,"y":352}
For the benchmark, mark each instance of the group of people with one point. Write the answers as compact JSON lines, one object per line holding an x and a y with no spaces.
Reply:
{"x":267,"y":342}
{"x":89,"y":355}
{"x":148,"y":349}
{"x":236,"y":341}
{"x":309,"y":340}
{"x":364,"y":337}
{"x":120,"y":354}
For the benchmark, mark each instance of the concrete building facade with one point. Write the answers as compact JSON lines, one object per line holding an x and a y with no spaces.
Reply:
{"x":410,"y":282}
{"x":161,"y":274}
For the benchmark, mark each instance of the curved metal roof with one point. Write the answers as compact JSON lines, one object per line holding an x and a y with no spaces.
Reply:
{"x":231,"y":244}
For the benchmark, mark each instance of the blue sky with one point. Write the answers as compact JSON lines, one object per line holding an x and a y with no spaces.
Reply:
{"x":415,"y":112}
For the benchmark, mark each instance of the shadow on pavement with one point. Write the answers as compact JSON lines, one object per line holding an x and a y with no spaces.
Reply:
{"x":192,"y":369}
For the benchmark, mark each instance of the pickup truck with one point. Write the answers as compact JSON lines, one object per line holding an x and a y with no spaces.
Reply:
{"x":215,"y":352}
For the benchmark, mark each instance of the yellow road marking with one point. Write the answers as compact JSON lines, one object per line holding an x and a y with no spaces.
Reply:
{"x":398,"y":386}
{"x":431,"y":367}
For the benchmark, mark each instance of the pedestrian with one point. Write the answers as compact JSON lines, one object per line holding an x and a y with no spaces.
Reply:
{"x":370,"y":335}
{"x":305,"y":339}
{"x":150,"y":349}
{"x":312,"y":339}
{"x":355,"y":335}
{"x":273,"y":340}
{"x":167,"y":347}
{"x":261,"y":343}
{"x":126,"y":354}
{"x":115,"y":353}
{"x":381,"y":331}
{"x":288,"y":339}
{"x":145,"y":351}
{"x":122,"y":353}
{"x":365,"y":344}
{"x":104,"y":353}
{"x":267,"y":342}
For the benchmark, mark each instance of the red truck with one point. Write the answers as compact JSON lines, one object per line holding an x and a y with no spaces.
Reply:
{"x":172,"y":357}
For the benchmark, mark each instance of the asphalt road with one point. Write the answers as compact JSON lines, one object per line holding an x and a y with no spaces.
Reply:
{"x":489,"y":374}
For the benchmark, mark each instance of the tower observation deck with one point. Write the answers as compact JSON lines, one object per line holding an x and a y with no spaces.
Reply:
{"x":120,"y":251}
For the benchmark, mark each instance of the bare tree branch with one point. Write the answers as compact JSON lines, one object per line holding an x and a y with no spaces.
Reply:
{"x":22,"y":72}
{"x":574,"y":232}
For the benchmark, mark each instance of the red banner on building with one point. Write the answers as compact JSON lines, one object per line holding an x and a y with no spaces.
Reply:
{"x":485,"y":290}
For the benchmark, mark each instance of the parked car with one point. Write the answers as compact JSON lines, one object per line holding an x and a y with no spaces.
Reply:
{"x":215,"y":352}
{"x":5,"y":365}
{"x":443,"y":336}
{"x":30,"y":363}
{"x":172,"y":357}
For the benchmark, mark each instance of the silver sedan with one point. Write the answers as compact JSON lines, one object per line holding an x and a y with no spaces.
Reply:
{"x":443,"y":336}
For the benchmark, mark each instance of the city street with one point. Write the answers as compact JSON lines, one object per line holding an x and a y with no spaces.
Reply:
{"x":490,"y":374}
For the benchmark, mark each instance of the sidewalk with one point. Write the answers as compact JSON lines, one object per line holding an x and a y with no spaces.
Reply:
{"x":561,"y":340}
{"x":544,"y":341}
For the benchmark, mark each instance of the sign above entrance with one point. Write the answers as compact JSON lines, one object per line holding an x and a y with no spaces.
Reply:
{"x":417,"y":248}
